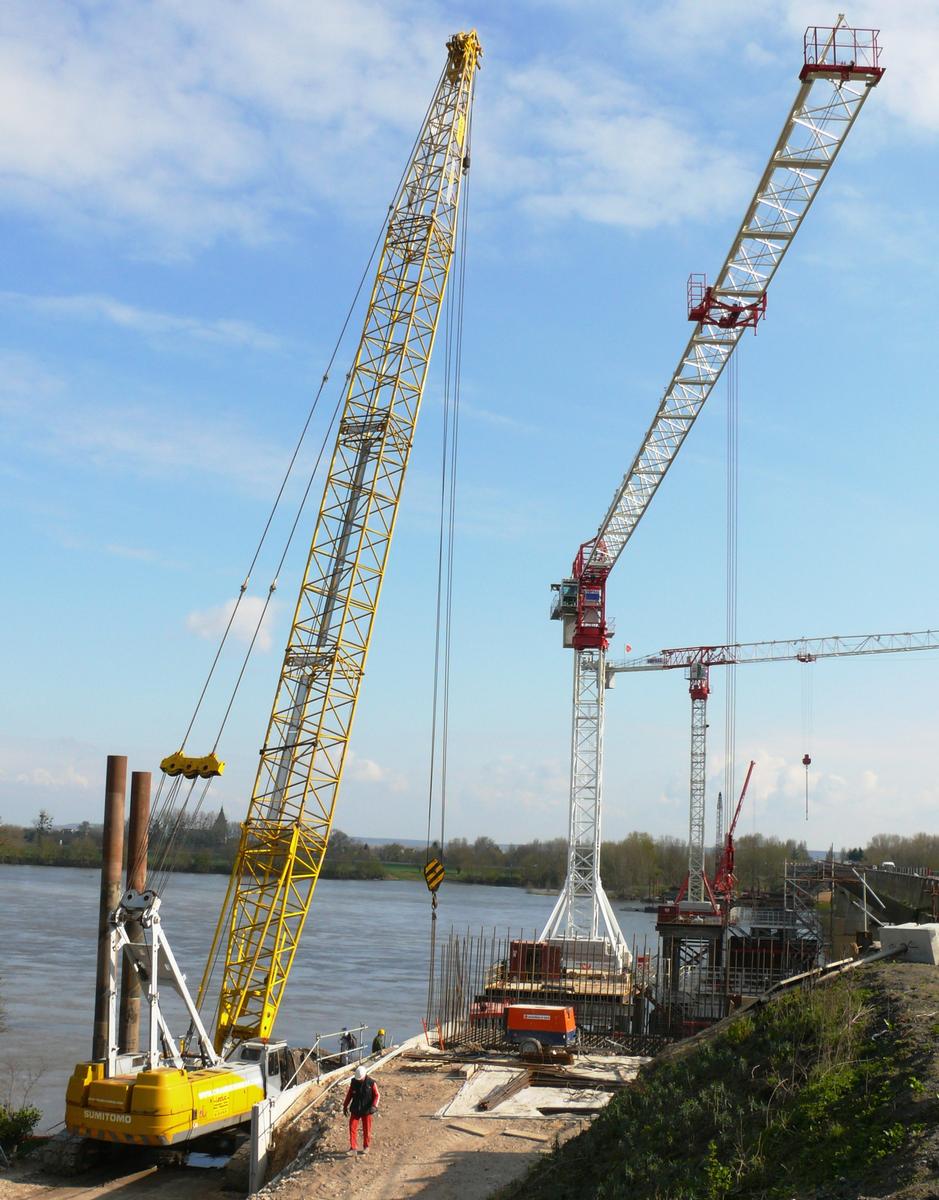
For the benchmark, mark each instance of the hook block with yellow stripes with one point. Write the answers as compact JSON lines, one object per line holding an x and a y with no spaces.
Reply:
{"x":433,"y":874}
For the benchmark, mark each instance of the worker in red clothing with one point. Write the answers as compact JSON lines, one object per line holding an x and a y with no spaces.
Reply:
{"x":360,"y":1103}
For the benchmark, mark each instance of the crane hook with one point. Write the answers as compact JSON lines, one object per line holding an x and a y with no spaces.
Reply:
{"x":806,"y":762}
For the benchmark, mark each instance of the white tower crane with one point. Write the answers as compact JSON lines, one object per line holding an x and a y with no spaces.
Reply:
{"x":697,"y":662}
{"x":840,"y":67}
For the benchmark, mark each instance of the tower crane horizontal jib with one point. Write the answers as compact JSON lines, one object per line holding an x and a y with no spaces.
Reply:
{"x":792,"y":649}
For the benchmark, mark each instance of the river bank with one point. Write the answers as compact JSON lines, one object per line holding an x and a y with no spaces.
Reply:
{"x":831,"y":1093}
{"x":373,"y":870}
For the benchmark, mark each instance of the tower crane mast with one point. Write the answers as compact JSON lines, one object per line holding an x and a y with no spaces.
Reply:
{"x":840,"y":66}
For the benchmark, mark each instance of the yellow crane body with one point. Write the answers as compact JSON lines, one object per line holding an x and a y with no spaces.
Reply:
{"x":157,"y":1108}
{"x":285,"y":834}
{"x":170,"y":1096}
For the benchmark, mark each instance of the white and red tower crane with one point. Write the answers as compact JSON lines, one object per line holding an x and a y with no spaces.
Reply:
{"x":840,"y":67}
{"x":696,"y":661}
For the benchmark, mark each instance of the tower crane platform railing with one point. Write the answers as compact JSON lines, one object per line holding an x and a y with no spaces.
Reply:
{"x":840,"y":67}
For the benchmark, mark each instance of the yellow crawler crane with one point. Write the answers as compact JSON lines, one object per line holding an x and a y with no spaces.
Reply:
{"x":170,"y":1095}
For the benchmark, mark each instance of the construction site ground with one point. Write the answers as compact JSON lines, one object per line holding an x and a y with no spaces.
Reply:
{"x":414,"y":1152}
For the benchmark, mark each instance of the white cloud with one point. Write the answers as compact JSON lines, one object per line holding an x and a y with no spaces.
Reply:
{"x":219,"y":331}
{"x":499,"y":419}
{"x":483,"y":512}
{"x":366,"y":770}
{"x":194,"y":121}
{"x":600,"y":149}
{"x":509,"y":783}
{"x":909,"y":39}
{"x":188,"y":123}
{"x":688,"y":31}
{"x":181,"y":123}
{"x":54,"y":780}
{"x":135,"y":553}
{"x":53,"y":773}
{"x":251,"y":616}
{"x":25,"y":381}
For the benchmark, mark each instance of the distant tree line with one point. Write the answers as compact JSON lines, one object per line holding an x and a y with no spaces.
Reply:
{"x":206,"y":842}
{"x":638,"y":867}
{"x":920,"y":850}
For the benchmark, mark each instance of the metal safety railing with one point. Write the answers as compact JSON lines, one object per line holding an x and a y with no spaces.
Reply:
{"x":842,"y":48}
{"x":342,"y":1056}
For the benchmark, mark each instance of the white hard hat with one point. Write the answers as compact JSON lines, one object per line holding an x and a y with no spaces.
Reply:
{"x":360,"y":1072}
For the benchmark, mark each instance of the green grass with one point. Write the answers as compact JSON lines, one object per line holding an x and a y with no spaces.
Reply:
{"x":797,"y":1095}
{"x":403,"y":871}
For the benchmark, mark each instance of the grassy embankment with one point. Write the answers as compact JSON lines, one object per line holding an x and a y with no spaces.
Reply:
{"x":817,"y":1092}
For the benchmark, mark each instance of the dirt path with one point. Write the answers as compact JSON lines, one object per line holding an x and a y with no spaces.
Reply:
{"x":117,"y":1182}
{"x":414,"y":1154}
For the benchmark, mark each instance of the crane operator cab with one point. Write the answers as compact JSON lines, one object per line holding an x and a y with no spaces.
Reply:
{"x":271,"y":1061}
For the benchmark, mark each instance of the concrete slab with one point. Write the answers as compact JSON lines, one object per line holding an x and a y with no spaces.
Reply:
{"x":923,"y":941}
{"x":527,"y":1103}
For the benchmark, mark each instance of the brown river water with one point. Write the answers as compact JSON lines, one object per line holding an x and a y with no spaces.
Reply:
{"x":363,"y":959}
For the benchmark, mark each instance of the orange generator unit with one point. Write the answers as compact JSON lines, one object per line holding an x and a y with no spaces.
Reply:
{"x":533,"y":1027}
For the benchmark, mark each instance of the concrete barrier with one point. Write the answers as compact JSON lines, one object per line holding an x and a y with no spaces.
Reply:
{"x":922,"y":941}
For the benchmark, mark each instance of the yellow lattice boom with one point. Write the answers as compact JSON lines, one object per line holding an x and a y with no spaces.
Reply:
{"x":285,"y":834}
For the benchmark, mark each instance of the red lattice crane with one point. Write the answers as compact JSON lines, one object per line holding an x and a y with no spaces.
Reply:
{"x":725,"y":881}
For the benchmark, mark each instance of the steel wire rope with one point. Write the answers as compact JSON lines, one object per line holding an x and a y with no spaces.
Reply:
{"x":451,"y":538}
{"x":162,"y":810}
{"x":444,"y":599}
{"x":730,"y":583}
{"x":435,"y":690}
{"x":326,"y":441}
{"x":440,"y":560}
{"x":254,"y":637}
{"x":808,"y":722}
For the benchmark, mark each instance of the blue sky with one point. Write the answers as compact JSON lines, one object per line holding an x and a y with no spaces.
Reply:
{"x":189,"y":194}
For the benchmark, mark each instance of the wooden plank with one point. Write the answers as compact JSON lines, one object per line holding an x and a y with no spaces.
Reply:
{"x":562,"y":1110}
{"x":531,"y":1137}
{"x":468,"y":1129}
